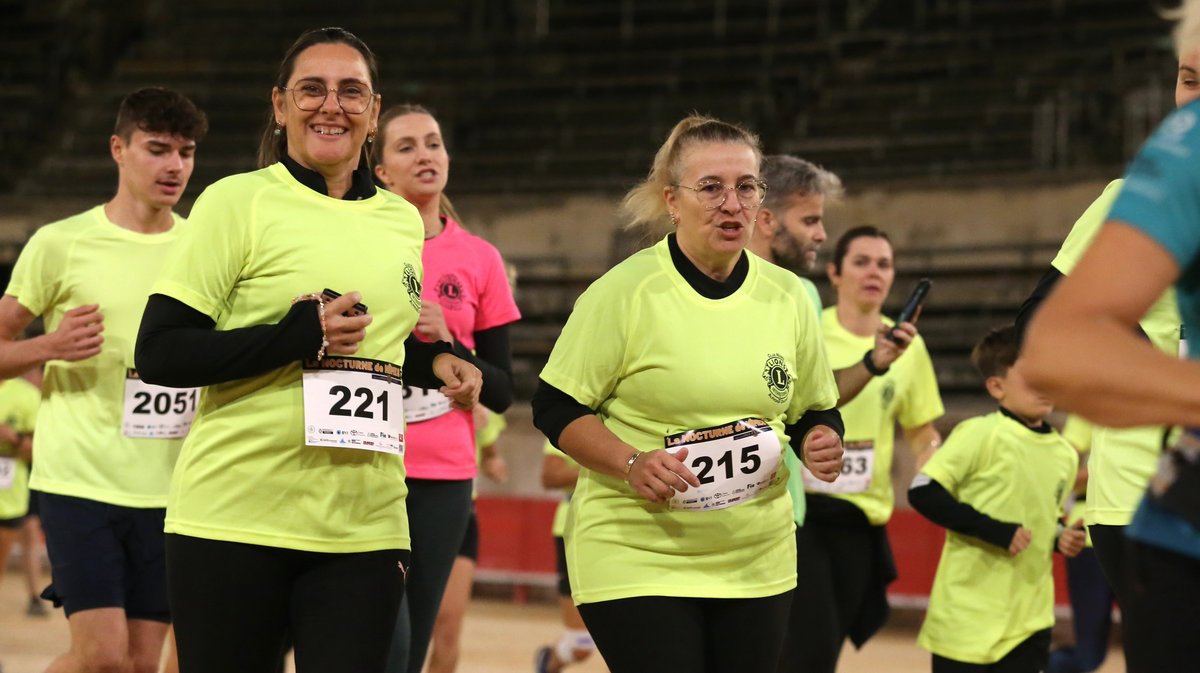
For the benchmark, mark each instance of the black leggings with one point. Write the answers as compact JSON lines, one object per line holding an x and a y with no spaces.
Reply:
{"x":438,"y":512}
{"x":1161,"y":611}
{"x":235,"y":605}
{"x":1112,"y":551}
{"x":834,"y":567}
{"x":1027,"y":657}
{"x":653,"y":634}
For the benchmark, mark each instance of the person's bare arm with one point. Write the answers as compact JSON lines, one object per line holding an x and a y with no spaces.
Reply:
{"x":558,"y":473}
{"x":923,"y":440}
{"x":1082,"y":349}
{"x":655,"y":475}
{"x":852,"y":379}
{"x":77,"y":337}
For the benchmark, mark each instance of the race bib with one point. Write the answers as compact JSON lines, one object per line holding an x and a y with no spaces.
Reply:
{"x":858,"y":464}
{"x":734,"y":462}
{"x":8,"y":473}
{"x":354,"y":403}
{"x":157,"y":411}
{"x":423,"y":404}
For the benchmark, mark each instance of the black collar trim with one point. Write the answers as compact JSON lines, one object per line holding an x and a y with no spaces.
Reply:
{"x":361,"y":184}
{"x":1043,"y":429}
{"x":707,"y":287}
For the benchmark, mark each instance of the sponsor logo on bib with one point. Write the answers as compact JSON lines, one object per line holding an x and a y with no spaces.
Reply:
{"x":450,"y":292}
{"x":778,"y":378}
{"x":412,"y":284}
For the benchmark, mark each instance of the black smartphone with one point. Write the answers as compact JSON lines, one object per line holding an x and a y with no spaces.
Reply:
{"x":356,"y":310}
{"x":912,"y":305}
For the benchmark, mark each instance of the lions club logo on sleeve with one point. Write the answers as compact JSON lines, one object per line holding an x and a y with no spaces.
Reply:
{"x":778,"y":378}
{"x":413,"y":285}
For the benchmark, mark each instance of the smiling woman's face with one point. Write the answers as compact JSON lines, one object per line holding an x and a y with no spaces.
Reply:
{"x":326,"y":140}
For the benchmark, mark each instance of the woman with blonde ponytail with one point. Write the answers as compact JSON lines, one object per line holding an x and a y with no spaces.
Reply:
{"x":675,"y":384}
{"x":465,"y":300}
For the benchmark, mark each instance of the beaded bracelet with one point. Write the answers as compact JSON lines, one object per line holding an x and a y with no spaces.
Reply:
{"x":320,"y":316}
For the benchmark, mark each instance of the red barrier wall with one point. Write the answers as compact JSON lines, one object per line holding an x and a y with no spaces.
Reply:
{"x":515,"y":541}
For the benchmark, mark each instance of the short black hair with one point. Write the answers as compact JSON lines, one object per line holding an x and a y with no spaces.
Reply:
{"x":158,"y":110}
{"x":842,"y":248}
{"x":995,"y":352}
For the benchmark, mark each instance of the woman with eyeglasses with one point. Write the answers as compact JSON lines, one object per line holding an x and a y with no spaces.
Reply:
{"x":468,"y":302}
{"x":843,"y":549}
{"x":676,"y":381}
{"x":291,"y":298}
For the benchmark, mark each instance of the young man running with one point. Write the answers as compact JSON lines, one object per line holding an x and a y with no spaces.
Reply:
{"x":106,"y":442}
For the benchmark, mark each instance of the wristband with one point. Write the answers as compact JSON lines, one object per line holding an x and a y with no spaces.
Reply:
{"x":870,"y":365}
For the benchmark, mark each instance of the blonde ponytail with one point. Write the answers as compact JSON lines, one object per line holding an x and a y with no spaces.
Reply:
{"x":645,"y":203}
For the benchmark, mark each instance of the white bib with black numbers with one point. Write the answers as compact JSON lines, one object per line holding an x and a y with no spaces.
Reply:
{"x":157,"y":411}
{"x":858,"y":463}
{"x":354,"y":403}
{"x":734,"y":462}
{"x":8,"y":473}
{"x":423,"y":404}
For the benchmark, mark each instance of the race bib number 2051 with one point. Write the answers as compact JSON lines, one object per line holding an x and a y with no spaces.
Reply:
{"x":354,"y":403}
{"x":153,"y":411}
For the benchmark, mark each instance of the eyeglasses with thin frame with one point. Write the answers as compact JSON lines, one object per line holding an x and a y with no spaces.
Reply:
{"x":712,"y":193}
{"x":353,"y":98}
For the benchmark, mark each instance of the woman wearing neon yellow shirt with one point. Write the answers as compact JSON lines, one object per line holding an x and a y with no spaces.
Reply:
{"x":843,"y":549}
{"x":286,"y":515}
{"x":677,"y":380}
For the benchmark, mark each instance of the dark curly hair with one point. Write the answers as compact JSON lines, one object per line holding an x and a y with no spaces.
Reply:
{"x":158,"y":110}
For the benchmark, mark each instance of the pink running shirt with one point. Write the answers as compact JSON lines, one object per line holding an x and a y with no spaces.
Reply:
{"x":465,"y":274}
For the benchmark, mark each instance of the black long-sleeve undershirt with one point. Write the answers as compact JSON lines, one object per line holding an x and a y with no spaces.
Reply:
{"x":493,"y":357}
{"x":1034,"y":301}
{"x":179,"y":346}
{"x":935,"y":503}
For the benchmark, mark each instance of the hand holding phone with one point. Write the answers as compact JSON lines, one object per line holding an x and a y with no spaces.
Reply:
{"x":345,"y":323}
{"x":356,"y":310}
{"x":913,"y":306}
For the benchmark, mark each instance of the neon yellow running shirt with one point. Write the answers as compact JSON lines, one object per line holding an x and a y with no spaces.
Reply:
{"x":256,"y":241}
{"x":656,"y":359}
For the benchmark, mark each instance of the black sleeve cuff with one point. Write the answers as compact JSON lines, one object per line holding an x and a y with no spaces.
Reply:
{"x":493,"y":357}
{"x":811,"y":419}
{"x":554,"y":410}
{"x":418,"y":362}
